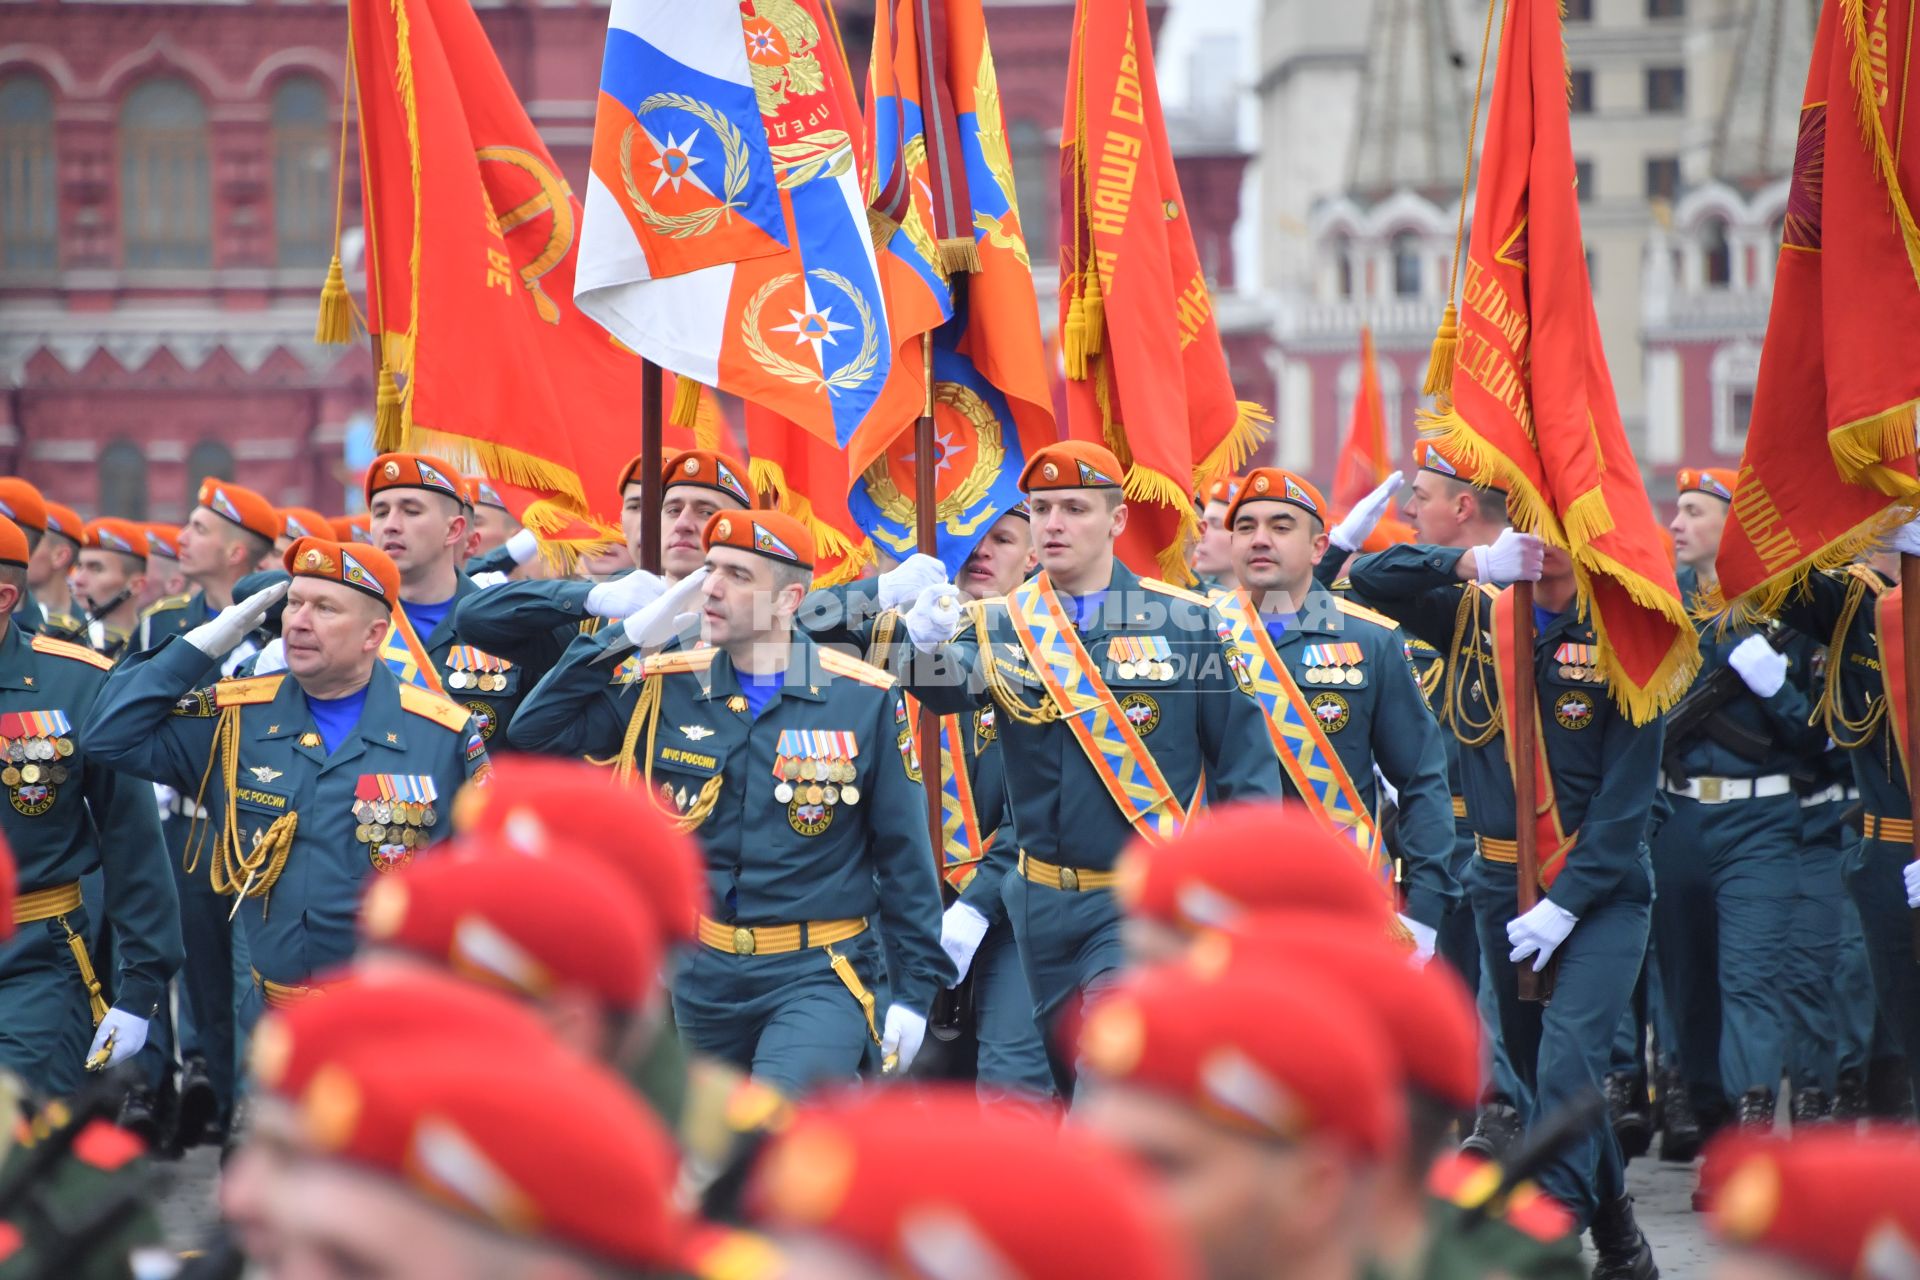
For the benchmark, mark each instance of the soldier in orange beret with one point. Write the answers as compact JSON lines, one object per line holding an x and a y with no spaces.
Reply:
{"x":1210,"y":560}
{"x":1269,"y":1106}
{"x":50,"y":566}
{"x":163,"y":565}
{"x":111,"y":574}
{"x":23,"y":503}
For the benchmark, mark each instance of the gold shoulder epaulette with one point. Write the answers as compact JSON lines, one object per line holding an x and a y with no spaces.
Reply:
{"x":67,"y":649}
{"x":680,"y":660}
{"x":1168,"y":589}
{"x":1365,"y":614}
{"x":165,"y":603}
{"x":854,"y":669}
{"x":243,"y":693}
{"x":431,"y":706}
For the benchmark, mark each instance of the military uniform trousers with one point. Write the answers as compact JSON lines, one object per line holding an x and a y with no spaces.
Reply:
{"x":1012,"y":1062}
{"x":1070,"y":949}
{"x":1562,"y":1050}
{"x":46,"y":1021}
{"x":1809,"y":985}
{"x":1726,"y":876}
{"x":787,"y":1018}
{"x":1459,"y":946}
{"x":1863,"y":1032}
{"x":1874,"y":878}
{"x":201,"y":1016}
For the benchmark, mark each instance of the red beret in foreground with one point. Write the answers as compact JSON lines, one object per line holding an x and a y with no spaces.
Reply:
{"x":1249,"y":857}
{"x":536,"y":804}
{"x":544,"y":1147}
{"x":1427,"y":1013}
{"x":1272,"y":1052}
{"x":1276,"y":484}
{"x":242,"y":506}
{"x":930,"y":1185}
{"x":1842,"y":1204}
{"x":773,"y":534}
{"x":364,"y":568}
{"x":528,"y":925}
{"x":1072,"y":464}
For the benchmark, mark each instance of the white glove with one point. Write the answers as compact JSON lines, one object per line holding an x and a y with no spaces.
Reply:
{"x":1763,"y":667}
{"x":272,"y":658}
{"x":523,"y":546}
{"x":901,"y":1043}
{"x":906,"y":580}
{"x":1366,"y":513}
{"x":492,"y":578}
{"x":235,"y":621}
{"x":961,"y":930}
{"x":935,"y":616}
{"x":1911,"y":871}
{"x":668,"y":616}
{"x":1541,"y":930}
{"x":129,"y":1032}
{"x":625,"y":595}
{"x":1513,"y":557}
{"x":1906,"y":539}
{"x":1424,"y":939}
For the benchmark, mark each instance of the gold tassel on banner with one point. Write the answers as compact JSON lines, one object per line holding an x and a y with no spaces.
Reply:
{"x":1440,"y":364}
{"x":686,"y":402}
{"x":1074,"y":340}
{"x":386,"y":413}
{"x":334,"y":327}
{"x":959,"y":253}
{"x":1093,"y":301}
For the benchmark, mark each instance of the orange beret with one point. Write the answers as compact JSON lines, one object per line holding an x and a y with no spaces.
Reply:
{"x":367,"y":568}
{"x":21,"y":503}
{"x":703,"y":468}
{"x":1276,"y":484}
{"x":774,"y":534}
{"x":1715,"y":482}
{"x":304,"y":522}
{"x":485,"y":495}
{"x":163,"y":541}
{"x":13,"y":543}
{"x":528,"y":925}
{"x":415,"y":471}
{"x":546,"y":1147}
{"x":381,"y":1008}
{"x":929,"y":1184}
{"x":1224,"y":490}
{"x":537,"y":804}
{"x":352,"y":528}
{"x":240,"y":506}
{"x":109,"y":533}
{"x":1275,"y":1053}
{"x":1429,"y":1018}
{"x":1250,"y":857}
{"x":66,"y":522}
{"x":1838,"y":1203}
{"x":1072,"y":464}
{"x":1430,"y":455}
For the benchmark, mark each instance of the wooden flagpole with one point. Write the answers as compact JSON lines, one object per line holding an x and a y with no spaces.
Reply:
{"x":652,"y":386}
{"x":1534,"y":986}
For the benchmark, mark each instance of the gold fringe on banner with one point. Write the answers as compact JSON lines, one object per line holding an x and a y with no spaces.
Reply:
{"x":1093,"y":303}
{"x":1862,"y":449}
{"x":769,"y":480}
{"x":686,"y":402}
{"x":958,"y":254}
{"x":334,"y":325}
{"x":1250,"y":430}
{"x":1446,"y":342}
{"x":880,"y":228}
{"x":1073,"y":345}
{"x":389,"y":433}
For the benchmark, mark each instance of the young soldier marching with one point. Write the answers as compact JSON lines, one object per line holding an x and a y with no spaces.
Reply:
{"x":1337,"y":693}
{"x":108,"y":579}
{"x":1597,"y":775}
{"x":1115,"y":711}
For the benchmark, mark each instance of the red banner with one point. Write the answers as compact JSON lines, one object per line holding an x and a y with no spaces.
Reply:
{"x":1363,"y":461}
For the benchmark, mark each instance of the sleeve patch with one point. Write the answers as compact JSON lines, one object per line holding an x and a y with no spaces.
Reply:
{"x":198,"y":703}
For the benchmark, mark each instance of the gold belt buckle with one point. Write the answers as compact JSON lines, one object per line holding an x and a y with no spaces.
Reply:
{"x":1710,"y":790}
{"x":743,"y":944}
{"x":1069,"y":879}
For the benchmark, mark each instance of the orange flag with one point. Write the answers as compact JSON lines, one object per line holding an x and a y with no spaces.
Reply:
{"x":470,"y":263}
{"x":1530,"y":369}
{"x":795,"y":471}
{"x":1829,"y":460}
{"x":1363,"y":463}
{"x":1146,"y":374}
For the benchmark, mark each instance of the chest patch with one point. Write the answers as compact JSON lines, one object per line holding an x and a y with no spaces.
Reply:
{"x":1573,"y":710}
{"x":1332,"y":711}
{"x":808,"y":818}
{"x":1142,"y":712}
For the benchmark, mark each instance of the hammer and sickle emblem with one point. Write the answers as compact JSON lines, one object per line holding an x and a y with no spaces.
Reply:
{"x":554,"y":198}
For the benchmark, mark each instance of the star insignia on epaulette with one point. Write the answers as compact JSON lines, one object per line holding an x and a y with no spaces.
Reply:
{"x":273,"y":728}
{"x":29,"y":680}
{"x":393,"y":737}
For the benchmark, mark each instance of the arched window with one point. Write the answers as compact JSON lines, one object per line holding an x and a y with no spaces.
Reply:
{"x":1716,"y":255}
{"x":1342,"y":267}
{"x":207,"y":458}
{"x":1406,"y":265}
{"x":166,"y":215}
{"x":1036,"y":179}
{"x":29,"y":209}
{"x":303,"y":173}
{"x":123,"y":480}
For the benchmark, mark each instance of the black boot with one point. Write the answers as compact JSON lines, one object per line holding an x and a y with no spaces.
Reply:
{"x":1680,"y":1137}
{"x":196,"y":1120}
{"x":1627,"y":1107}
{"x":1757,"y":1108}
{"x":1495,"y":1130}
{"x":1850,"y":1099}
{"x":140,"y":1116}
{"x":1620,"y":1251}
{"x":1811,"y":1106}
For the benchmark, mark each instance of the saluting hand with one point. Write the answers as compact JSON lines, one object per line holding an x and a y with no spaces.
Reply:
{"x":625,"y":595}
{"x":235,"y":622}
{"x":1366,"y":513}
{"x":667,"y":616}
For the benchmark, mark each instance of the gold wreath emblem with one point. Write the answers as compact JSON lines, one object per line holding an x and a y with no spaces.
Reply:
{"x":847,"y":377}
{"x":554,"y":198}
{"x":684,"y":226}
{"x":897,"y":507}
